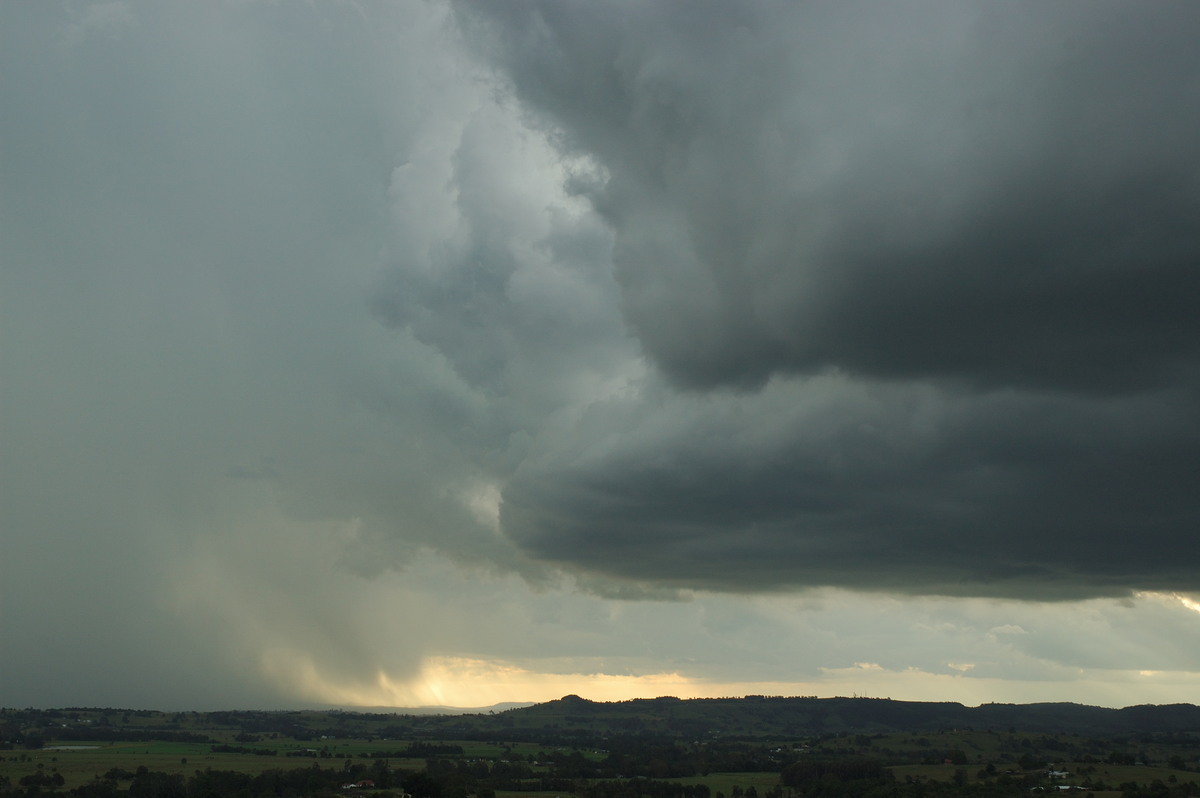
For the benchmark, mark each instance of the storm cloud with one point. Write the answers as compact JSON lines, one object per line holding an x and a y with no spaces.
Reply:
{"x":366,"y":353}
{"x":1004,"y":197}
{"x":923,"y":281}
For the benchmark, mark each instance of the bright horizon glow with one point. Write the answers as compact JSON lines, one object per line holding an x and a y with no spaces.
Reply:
{"x":468,"y":683}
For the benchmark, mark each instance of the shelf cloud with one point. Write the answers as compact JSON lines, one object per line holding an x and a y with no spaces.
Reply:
{"x":921,"y":282}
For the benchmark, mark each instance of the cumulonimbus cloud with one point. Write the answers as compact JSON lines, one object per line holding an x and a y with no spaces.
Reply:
{"x":948,"y":256}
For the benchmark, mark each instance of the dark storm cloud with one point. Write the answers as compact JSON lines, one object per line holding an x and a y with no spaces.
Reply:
{"x":879,"y":488}
{"x":978,"y":223}
{"x":1001,"y":195}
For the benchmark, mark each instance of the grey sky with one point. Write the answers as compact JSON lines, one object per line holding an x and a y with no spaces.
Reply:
{"x":358,"y":351}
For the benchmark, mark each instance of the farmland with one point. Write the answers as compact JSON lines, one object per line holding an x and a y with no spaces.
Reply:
{"x":657,"y":749}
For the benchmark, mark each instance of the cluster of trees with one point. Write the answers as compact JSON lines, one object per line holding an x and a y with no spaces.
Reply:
{"x":241,"y":749}
{"x":308,"y":781}
{"x":455,"y":778}
{"x":1158,"y":789}
{"x":115,"y":735}
{"x":642,"y":788}
{"x":836,"y":778}
{"x":419,"y":750}
{"x":42,"y":779}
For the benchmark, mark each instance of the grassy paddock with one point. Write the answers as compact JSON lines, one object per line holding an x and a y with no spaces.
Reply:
{"x":931,"y":772}
{"x":79,"y":767}
{"x":725,"y":782}
{"x":1141,"y":774}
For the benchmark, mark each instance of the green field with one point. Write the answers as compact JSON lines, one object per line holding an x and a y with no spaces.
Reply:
{"x":81,"y":762}
{"x":81,"y":766}
{"x":725,"y":782}
{"x":85,"y":748}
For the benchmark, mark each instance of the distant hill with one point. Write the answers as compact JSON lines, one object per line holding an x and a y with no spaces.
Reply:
{"x":441,"y":710}
{"x":578,"y":721}
{"x":765,"y":715}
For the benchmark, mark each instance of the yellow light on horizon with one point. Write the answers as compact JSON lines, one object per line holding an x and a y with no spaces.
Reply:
{"x":465,"y":682}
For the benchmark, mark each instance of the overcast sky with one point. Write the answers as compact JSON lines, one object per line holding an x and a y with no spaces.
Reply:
{"x":403,"y":353}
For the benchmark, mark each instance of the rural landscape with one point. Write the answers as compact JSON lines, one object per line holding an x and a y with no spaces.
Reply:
{"x":752,"y":747}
